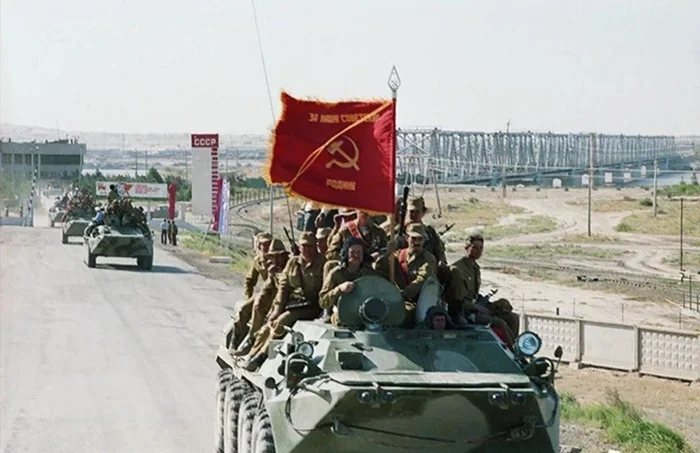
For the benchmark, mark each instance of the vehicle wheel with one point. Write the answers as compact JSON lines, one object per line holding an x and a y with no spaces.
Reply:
{"x":235,"y":394}
{"x":64,"y":238}
{"x":140,"y":261}
{"x":148,"y":263}
{"x":224,"y":381}
{"x":91,"y":260}
{"x":263,"y":440}
{"x":246,"y":416}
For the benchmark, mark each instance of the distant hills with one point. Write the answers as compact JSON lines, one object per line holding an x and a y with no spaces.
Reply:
{"x":116,"y":141}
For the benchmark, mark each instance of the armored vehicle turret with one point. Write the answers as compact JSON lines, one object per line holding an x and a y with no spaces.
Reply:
{"x":369,"y":385}
{"x":120,"y":237}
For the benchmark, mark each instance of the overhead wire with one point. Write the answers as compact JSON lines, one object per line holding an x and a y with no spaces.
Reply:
{"x":272,"y":114}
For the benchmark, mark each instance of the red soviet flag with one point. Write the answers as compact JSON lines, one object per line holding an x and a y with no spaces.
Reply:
{"x":338,"y":154}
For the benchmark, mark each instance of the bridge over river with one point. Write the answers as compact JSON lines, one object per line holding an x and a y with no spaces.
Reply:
{"x":488,"y":157}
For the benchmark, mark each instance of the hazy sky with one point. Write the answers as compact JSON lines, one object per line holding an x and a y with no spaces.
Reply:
{"x":612,"y":66}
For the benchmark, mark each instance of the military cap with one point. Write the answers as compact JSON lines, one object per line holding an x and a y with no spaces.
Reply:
{"x":345,"y":212}
{"x":307,"y":237}
{"x":264,"y":237}
{"x":416,"y":229}
{"x":322,"y":233}
{"x":416,"y":203}
{"x":277,"y":248}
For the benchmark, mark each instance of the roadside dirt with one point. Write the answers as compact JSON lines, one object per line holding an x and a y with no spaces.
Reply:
{"x":670,"y":402}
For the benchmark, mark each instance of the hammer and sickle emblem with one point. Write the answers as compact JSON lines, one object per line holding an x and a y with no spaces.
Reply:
{"x":347,"y":162}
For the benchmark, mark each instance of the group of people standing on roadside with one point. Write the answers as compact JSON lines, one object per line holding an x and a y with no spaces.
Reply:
{"x":168,"y":232}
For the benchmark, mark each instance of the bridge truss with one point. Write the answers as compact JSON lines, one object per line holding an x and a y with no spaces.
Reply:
{"x":453,"y":156}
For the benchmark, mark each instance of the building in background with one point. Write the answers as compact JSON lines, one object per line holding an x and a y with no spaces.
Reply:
{"x":59,"y":159}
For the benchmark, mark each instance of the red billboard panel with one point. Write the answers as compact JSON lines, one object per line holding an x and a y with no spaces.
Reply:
{"x":205,"y":140}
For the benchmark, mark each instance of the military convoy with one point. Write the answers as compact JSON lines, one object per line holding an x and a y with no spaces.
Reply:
{"x":372,"y":385}
{"x":120,"y":237}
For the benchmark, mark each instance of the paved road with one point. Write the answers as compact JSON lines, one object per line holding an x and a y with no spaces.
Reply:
{"x":110,"y":359}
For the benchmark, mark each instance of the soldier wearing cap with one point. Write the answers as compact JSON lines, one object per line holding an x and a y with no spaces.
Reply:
{"x":322,"y":240}
{"x":296,"y":297}
{"x":258,"y":269}
{"x":412,"y":265}
{"x":462,"y":294}
{"x":340,"y":279}
{"x":433,"y":242}
{"x":363,"y":228}
{"x":255,"y":309}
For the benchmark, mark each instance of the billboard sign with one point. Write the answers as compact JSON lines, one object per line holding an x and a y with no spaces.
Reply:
{"x":133,"y":189}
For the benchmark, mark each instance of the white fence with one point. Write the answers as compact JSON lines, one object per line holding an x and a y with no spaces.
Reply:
{"x":647,"y":350}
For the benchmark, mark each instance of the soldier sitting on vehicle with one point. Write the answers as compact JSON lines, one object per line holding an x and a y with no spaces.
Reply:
{"x":412,"y":267}
{"x":462,"y":294}
{"x":255,"y":309}
{"x":258,"y":268}
{"x":296,"y":298}
{"x":371,"y":236}
{"x":322,"y":240}
{"x":96,"y":221}
{"x":340,"y":280}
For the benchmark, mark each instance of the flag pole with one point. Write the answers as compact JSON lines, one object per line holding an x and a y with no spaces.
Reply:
{"x":394,"y":83}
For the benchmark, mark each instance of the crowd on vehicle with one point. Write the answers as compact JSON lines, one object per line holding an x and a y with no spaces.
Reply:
{"x":336,"y":248}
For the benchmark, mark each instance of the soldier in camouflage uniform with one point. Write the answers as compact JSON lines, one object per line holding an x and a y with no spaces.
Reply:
{"x":373,"y":238}
{"x":463,"y":293}
{"x":258,"y":269}
{"x":412,"y":266}
{"x":256,"y":309}
{"x":353,"y":265}
{"x":296,"y":298}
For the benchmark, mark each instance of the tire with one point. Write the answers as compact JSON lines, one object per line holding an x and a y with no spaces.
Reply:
{"x":91,"y":260}
{"x":235,"y":394}
{"x":224,"y":380}
{"x":148,"y":264}
{"x":246,"y":417}
{"x":263,"y":440}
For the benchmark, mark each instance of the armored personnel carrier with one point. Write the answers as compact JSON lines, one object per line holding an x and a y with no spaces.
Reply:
{"x":74,"y":227}
{"x":370,"y":385}
{"x":56,"y":215}
{"x":122,"y":238}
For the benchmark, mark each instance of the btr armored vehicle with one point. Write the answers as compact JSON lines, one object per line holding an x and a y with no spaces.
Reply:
{"x":120,"y":237}
{"x":369,"y":385}
{"x":56,"y":215}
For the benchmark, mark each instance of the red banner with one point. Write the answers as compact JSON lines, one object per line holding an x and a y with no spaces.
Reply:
{"x":172,"y":198}
{"x":338,"y":154}
{"x":217,"y":208}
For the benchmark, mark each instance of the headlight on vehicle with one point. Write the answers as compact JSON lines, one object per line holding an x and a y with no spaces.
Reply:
{"x":528,"y":344}
{"x":305,"y":348}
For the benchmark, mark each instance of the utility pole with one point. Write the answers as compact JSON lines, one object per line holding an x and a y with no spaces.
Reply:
{"x":590,"y":182}
{"x":656,"y":186}
{"x":681,"y":234}
{"x":505,"y":156}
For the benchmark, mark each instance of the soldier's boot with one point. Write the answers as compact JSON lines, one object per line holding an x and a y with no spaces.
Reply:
{"x":245,"y":346}
{"x":326,"y":315}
